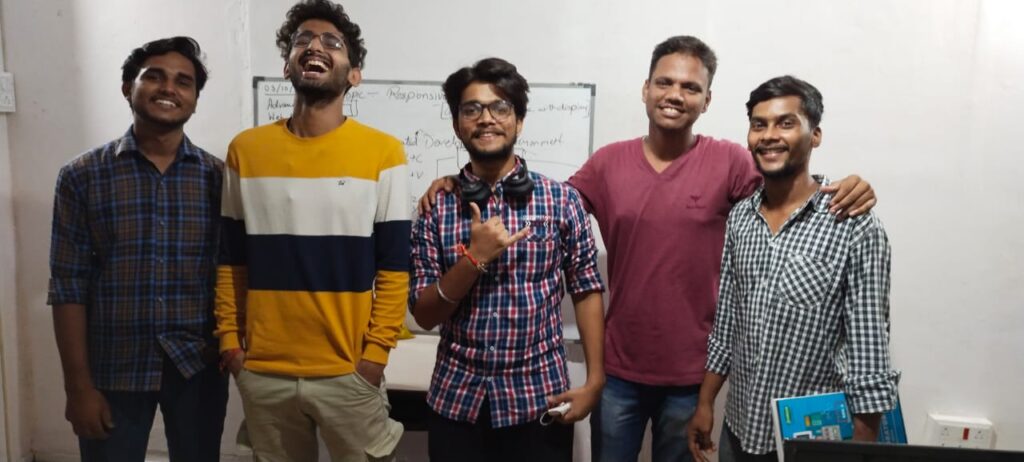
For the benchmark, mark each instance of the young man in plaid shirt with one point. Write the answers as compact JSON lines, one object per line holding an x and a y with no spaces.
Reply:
{"x":131,"y":272}
{"x":803,"y":304}
{"x":490,"y":266}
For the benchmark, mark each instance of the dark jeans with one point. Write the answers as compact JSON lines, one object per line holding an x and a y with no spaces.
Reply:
{"x":729,"y":449}
{"x":193,"y":413}
{"x":618,"y":422}
{"x":453,"y":441}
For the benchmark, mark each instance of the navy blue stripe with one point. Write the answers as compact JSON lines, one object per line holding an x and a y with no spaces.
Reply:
{"x":393,"y":245}
{"x":232,"y":242}
{"x":311,"y":263}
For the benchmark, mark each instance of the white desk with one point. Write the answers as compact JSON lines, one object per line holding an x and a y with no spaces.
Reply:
{"x":412,"y":362}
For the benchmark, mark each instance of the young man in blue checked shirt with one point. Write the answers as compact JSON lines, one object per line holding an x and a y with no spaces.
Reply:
{"x":803,"y":305}
{"x":132,"y":260}
{"x":490,"y":266}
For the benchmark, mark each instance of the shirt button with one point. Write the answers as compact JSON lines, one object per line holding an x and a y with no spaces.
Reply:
{"x":764,"y":283}
{"x":491,"y":348}
{"x":160,"y":300}
{"x":163,"y":223}
{"x":495,"y":313}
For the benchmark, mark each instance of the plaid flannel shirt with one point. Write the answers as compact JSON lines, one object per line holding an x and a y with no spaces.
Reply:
{"x":504,"y":342}
{"x":138,"y":249}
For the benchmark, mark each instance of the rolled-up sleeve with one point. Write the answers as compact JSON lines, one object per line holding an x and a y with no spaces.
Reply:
{"x":870,"y":381}
{"x":720,"y":340}
{"x":579,"y":248}
{"x":426,"y":254}
{"x":71,"y":251}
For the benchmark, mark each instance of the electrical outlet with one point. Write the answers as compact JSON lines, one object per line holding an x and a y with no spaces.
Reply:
{"x":959,"y":432}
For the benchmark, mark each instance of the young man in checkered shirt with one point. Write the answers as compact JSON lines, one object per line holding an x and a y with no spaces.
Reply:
{"x":490,"y":266}
{"x":132,"y":258}
{"x":803,"y":305}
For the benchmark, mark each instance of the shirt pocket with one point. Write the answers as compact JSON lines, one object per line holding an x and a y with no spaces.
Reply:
{"x":542,"y":231}
{"x":806,"y":281}
{"x":537,"y":254}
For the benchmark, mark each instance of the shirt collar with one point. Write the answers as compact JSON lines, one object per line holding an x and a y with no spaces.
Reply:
{"x":467,"y":171}
{"x":819,"y":201}
{"x":127,"y":143}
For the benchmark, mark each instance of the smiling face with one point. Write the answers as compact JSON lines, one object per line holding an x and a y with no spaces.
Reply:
{"x":677,"y":92}
{"x":164,"y":93}
{"x":487,"y":137}
{"x":315,"y":69}
{"x":781,"y":138}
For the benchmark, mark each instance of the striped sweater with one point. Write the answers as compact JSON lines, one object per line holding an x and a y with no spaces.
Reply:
{"x":315,"y":250}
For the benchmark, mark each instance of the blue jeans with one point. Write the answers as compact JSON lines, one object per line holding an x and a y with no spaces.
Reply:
{"x":618,"y":422}
{"x":193,"y":413}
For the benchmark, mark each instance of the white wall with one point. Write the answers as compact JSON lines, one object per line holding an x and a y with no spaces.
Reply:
{"x":8,"y":284}
{"x":921,"y":99}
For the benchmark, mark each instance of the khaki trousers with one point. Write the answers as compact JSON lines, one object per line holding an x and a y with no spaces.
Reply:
{"x":283,"y":414}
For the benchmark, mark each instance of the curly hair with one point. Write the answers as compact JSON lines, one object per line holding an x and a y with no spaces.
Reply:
{"x":327,"y":11}
{"x":186,"y":46}
{"x":496,"y":71}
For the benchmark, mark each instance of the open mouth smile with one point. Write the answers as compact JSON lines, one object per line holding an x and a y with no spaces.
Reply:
{"x":772,"y":152}
{"x":166,"y":103}
{"x":315,"y":66}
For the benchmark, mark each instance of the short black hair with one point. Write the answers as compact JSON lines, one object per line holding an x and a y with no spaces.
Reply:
{"x":186,"y":46}
{"x":810,"y":98}
{"x":495,"y":71}
{"x":327,"y":11}
{"x":686,"y":45}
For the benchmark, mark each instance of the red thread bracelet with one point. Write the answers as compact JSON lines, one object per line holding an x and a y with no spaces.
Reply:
{"x":462,"y":250}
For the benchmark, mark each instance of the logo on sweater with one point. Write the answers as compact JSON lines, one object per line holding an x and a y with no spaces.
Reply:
{"x":695,"y":202}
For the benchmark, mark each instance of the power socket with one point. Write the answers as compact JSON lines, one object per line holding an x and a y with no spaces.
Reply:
{"x":959,"y":432}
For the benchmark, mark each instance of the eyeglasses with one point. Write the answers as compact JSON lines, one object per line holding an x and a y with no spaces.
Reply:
{"x":327,"y":39}
{"x":500,"y":110}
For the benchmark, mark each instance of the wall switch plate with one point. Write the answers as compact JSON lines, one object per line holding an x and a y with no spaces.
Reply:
{"x":959,"y":432}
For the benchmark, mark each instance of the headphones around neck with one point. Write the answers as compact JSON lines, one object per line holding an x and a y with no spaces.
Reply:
{"x":516,"y":185}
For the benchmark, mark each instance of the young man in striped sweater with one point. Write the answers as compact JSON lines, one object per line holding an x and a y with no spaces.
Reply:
{"x":314,"y":274}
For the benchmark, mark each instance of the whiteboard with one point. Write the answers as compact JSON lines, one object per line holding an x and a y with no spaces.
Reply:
{"x":557,"y":135}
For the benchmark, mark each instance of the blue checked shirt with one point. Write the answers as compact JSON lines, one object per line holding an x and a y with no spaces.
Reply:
{"x":803,"y":312}
{"x":138,"y":248}
{"x":504,"y":342}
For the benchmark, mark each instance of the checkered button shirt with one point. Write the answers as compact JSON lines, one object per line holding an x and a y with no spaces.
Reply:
{"x":504,"y":342}
{"x":137,"y":248}
{"x":805,"y":311}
